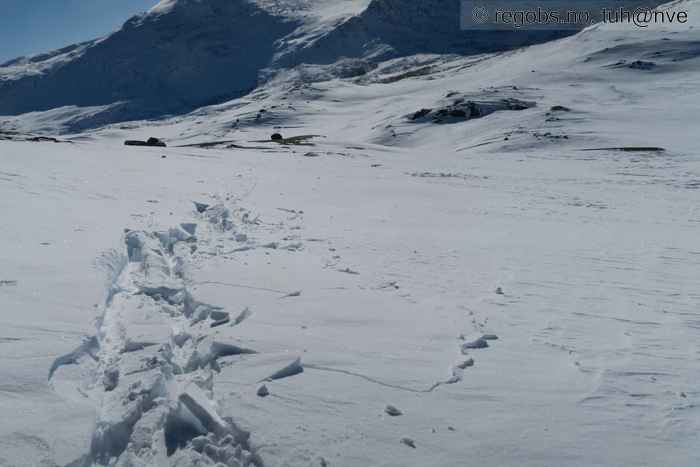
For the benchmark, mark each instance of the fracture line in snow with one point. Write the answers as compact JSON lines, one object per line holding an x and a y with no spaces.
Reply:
{"x":370,"y":379}
{"x":242,"y":286}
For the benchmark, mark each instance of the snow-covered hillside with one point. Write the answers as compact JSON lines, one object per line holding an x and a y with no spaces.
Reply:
{"x":391,"y":28}
{"x":155,"y":62}
{"x":183,"y":54}
{"x":451,"y":260}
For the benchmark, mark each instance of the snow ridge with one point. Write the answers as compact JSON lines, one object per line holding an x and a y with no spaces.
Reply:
{"x":151,"y":372}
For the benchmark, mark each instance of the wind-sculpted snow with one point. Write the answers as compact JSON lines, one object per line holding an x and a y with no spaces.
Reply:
{"x":151,"y":366}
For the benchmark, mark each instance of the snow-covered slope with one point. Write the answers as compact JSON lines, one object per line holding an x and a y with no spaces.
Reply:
{"x":180,"y":55}
{"x":502,"y":247}
{"x":184,"y":54}
{"x":393,"y":28}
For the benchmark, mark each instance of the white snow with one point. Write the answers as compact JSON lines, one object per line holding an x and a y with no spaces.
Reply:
{"x":370,"y":275}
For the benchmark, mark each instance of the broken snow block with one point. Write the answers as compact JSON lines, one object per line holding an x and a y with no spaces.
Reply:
{"x":199,"y":443}
{"x":207,"y":418}
{"x":89,"y":347}
{"x":111,"y":379}
{"x":200,"y":207}
{"x":245,"y":314}
{"x":220,"y":322}
{"x":479,"y":343}
{"x":189,"y":227}
{"x":465,"y":364}
{"x":292,"y":369}
{"x":181,"y":338}
{"x":217,"y":315}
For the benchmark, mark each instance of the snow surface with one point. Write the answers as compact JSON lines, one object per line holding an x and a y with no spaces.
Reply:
{"x":520,"y":283}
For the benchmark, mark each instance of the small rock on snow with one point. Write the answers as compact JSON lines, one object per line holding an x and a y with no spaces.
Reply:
{"x":408,"y":442}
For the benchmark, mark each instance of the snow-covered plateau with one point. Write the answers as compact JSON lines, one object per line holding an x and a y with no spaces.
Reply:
{"x":448,"y":259}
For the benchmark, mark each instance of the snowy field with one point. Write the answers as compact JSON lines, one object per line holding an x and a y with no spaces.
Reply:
{"x":503,"y":248}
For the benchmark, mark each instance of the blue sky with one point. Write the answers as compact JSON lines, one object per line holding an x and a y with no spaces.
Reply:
{"x":34,"y":26}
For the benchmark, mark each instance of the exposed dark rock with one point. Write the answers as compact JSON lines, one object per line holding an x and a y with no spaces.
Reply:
{"x":42,"y":139}
{"x":641,"y":65}
{"x":460,"y":108}
{"x":9,"y":135}
{"x":559,"y":108}
{"x":154,"y":142}
{"x":408,"y":442}
{"x":421,"y":113}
